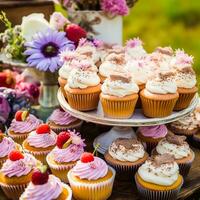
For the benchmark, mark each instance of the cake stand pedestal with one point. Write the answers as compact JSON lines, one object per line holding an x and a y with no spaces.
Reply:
{"x":122,"y":127}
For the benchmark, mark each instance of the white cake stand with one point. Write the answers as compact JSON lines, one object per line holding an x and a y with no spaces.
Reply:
{"x":122,"y":127}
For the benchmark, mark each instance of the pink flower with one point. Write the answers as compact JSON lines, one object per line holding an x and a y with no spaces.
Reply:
{"x":58,"y":21}
{"x":115,"y":7}
{"x":182,"y":57}
{"x":134,"y":43}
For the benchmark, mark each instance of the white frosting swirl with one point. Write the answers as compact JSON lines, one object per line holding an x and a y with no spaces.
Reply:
{"x":184,"y":80}
{"x":165,"y":175}
{"x":65,"y":70}
{"x":119,"y":88}
{"x":135,"y":52}
{"x":178,"y":151}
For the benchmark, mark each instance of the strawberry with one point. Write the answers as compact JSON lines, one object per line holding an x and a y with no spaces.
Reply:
{"x":15,"y":155}
{"x":87,"y":157}
{"x":74,"y":33}
{"x":62,"y":139}
{"x":43,"y":129}
{"x":40,"y":176}
{"x":21,"y":115}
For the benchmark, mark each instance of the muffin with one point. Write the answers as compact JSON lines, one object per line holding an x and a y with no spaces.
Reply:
{"x":179,"y":148}
{"x":125,"y":155}
{"x":46,"y":187}
{"x":159,"y":96}
{"x":6,"y":146}
{"x":67,"y":152}
{"x":60,"y":120}
{"x":158,"y":178}
{"x":40,"y":142}
{"x":185,"y":79}
{"x":151,"y":135}
{"x":91,"y":178}
{"x":83,"y":87}
{"x":22,"y":125}
{"x":16,"y":173}
{"x":119,"y":96}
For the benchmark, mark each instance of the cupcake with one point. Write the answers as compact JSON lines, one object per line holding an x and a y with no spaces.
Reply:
{"x":91,"y":178}
{"x":158,"y":178}
{"x":159,"y":96}
{"x":46,"y":187}
{"x":16,"y":173}
{"x":60,"y":120}
{"x":125,"y":156}
{"x":151,"y":135}
{"x":6,"y":146}
{"x":22,"y":125}
{"x":40,"y":142}
{"x":179,"y":148}
{"x":119,"y":96}
{"x":63,"y":157}
{"x":83,"y":87}
{"x":113,"y":63}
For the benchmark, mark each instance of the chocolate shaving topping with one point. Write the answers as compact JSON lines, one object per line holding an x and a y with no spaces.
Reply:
{"x":119,"y":59}
{"x":187,"y":70}
{"x":88,"y":54}
{"x":176,"y":139}
{"x":126,"y":142}
{"x":120,"y":77}
{"x":166,"y":76}
{"x":159,"y":160}
{"x":165,"y":50}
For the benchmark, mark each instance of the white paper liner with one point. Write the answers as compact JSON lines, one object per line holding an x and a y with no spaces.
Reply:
{"x":69,"y":191}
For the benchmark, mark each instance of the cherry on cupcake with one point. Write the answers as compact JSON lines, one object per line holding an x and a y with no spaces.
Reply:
{"x":87,"y":157}
{"x":15,"y":155}
{"x":43,"y":129}
{"x":40,"y":176}
{"x":21,"y":115}
{"x":63,"y":140}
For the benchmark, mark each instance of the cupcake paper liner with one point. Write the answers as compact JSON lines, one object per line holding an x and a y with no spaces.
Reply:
{"x":13,"y":191}
{"x":148,"y":194}
{"x":150,"y":146}
{"x":18,"y":138}
{"x":69,"y":191}
{"x":118,"y":109}
{"x":196,"y":141}
{"x":93,"y":191}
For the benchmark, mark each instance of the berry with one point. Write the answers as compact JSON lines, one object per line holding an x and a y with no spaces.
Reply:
{"x":62,"y":138}
{"x":40,"y":176}
{"x":43,"y":129}
{"x":87,"y":157}
{"x":15,"y":155}
{"x":24,"y":116}
{"x":18,"y":115}
{"x":75,"y":33}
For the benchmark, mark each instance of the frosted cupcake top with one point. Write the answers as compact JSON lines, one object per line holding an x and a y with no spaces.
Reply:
{"x":160,"y":170}
{"x":91,"y":170}
{"x":174,"y":145}
{"x":134,"y":49}
{"x":124,"y":149}
{"x":6,"y":146}
{"x":120,"y":85}
{"x":50,"y":190}
{"x":19,"y":167}
{"x":30,"y":124}
{"x":60,"y":117}
{"x":163,"y":83}
{"x":155,"y":132}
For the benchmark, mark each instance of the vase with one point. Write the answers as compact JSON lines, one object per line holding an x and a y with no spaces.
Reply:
{"x":99,"y":25}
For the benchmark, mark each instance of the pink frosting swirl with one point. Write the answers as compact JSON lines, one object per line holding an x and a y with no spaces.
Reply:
{"x":61,"y":117}
{"x":92,"y":170}
{"x":155,"y":132}
{"x":6,"y":146}
{"x":25,"y":126}
{"x":20,"y":167}
{"x":42,"y":140}
{"x":50,"y":190}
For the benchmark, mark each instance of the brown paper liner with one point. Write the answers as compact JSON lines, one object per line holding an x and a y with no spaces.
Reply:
{"x":185,"y":97}
{"x":115,"y":107}
{"x":18,"y":138}
{"x":158,"y":108}
{"x":83,"y":99}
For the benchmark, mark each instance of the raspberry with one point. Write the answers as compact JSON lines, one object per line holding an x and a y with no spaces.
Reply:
{"x":18,"y":115}
{"x":43,"y":128}
{"x":75,"y":33}
{"x":87,"y":157}
{"x":15,"y":155}
{"x":40,"y":176}
{"x":62,"y":138}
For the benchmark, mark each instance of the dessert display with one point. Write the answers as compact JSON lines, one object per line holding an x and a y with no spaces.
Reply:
{"x":177,"y":146}
{"x":16,"y":173}
{"x":126,"y":156}
{"x":60,"y":120}
{"x":44,"y":186}
{"x":68,"y":150}
{"x":22,"y":125}
{"x":40,"y":142}
{"x":91,"y":178}
{"x":159,"y":178}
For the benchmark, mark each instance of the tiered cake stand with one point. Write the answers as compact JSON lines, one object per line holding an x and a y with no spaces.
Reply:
{"x":122,"y":127}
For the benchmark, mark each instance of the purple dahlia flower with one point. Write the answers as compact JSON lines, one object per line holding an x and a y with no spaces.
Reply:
{"x":43,"y":51}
